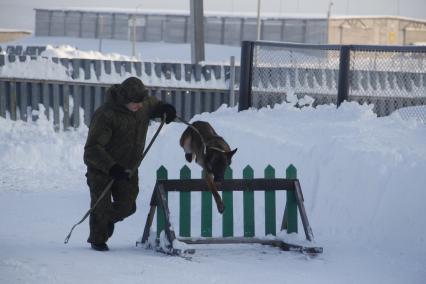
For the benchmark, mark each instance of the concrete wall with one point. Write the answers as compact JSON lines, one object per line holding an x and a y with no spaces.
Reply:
{"x":376,"y":30}
{"x":6,"y":36}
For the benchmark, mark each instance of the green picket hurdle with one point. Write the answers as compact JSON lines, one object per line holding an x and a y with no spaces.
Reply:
{"x":227,"y":218}
{"x":185,"y":185}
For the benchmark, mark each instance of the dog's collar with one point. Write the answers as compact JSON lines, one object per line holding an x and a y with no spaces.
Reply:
{"x":216,"y":149}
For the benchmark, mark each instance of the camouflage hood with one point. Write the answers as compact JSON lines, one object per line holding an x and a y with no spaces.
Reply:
{"x":131,"y":90}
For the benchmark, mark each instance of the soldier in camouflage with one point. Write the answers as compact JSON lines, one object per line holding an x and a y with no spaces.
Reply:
{"x":114,"y":145}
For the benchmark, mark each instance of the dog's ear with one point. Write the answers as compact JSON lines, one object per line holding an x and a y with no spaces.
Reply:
{"x":231,"y":153}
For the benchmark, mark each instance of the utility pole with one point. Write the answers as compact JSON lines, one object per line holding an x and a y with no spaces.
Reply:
{"x":258,"y":20}
{"x":197,"y":27}
{"x":100,"y":31}
{"x":330,"y":4}
{"x":134,"y":31}
{"x":133,"y":35}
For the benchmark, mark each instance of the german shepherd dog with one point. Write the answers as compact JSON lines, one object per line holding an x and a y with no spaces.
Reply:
{"x":211,"y":152}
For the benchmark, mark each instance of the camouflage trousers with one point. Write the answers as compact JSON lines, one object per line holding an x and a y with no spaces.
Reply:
{"x":119,"y":204}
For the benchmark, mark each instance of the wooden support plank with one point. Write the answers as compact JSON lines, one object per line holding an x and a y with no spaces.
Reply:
{"x":185,"y":206}
{"x":148,"y":224}
{"x":230,"y":185}
{"x":206,"y":213}
{"x":291,"y":204}
{"x":150,"y":218}
{"x":161,"y":175}
{"x":162,"y":203}
{"x":239,"y":240}
{"x":270,"y":218}
{"x":248,"y":197}
{"x":228,"y":214}
{"x":300,"y":202}
{"x":284,"y":220}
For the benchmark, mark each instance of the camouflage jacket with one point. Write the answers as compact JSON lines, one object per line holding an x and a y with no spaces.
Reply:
{"x":116,"y":134}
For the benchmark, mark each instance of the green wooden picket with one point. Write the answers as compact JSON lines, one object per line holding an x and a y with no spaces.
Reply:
{"x":291,"y":204}
{"x":248,"y":197}
{"x":161,"y":218}
{"x":185,"y":206}
{"x":270,"y":218}
{"x":206,"y":213}
{"x":228,"y":214}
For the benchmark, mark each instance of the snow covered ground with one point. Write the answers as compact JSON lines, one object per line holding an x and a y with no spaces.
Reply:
{"x":362,"y":178}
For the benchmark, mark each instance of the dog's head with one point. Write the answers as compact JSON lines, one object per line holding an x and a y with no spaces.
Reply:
{"x":217,"y":162}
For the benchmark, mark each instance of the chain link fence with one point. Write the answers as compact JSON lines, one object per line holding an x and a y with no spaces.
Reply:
{"x":287,"y":74}
{"x":391,"y":78}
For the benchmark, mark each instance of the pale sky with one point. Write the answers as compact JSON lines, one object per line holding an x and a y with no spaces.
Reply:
{"x":19,"y":14}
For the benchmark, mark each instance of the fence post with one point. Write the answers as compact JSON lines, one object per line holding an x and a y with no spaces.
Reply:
{"x":66,"y":106}
{"x":161,"y":217}
{"x":291,"y":204}
{"x":270,"y":218}
{"x":13,"y":101}
{"x":3,"y":99}
{"x":232,"y":82}
{"x":228,"y":214}
{"x":22,"y":89}
{"x":56,"y":98}
{"x":246,"y":66}
{"x":248,"y":197}
{"x":185,"y":206}
{"x":35,"y":100}
{"x":206,"y":213}
{"x":344,"y":68}
{"x":46,"y":99}
{"x":76,"y":107}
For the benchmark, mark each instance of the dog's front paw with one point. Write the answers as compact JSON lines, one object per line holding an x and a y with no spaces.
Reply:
{"x":220,"y":208}
{"x":188,"y":157}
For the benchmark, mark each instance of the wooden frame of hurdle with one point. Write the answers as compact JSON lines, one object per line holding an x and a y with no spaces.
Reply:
{"x":248,"y":185}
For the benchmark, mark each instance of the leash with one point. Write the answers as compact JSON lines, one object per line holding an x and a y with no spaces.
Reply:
{"x":108,"y":186}
{"x":201,"y":136}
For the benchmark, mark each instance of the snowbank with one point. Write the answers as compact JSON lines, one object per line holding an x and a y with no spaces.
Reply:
{"x":362,"y":178}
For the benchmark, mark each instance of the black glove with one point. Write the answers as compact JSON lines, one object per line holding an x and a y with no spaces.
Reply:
{"x":119,"y":173}
{"x":168,"y":110}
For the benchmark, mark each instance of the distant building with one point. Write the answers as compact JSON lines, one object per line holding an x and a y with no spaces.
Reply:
{"x":7,"y":35}
{"x":168,"y":26}
{"x":384,"y":30}
{"x":228,"y":28}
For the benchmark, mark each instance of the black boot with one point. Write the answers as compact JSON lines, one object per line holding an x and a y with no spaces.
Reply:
{"x":100,"y":247}
{"x":110,"y":229}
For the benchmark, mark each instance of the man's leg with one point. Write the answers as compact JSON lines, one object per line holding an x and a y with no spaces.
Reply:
{"x":101,"y":215}
{"x":124,"y":198}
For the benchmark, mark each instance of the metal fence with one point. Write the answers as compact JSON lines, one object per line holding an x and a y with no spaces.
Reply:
{"x":175,"y":27}
{"x":68,"y":104}
{"x":19,"y":50}
{"x":152,"y":73}
{"x":390,"y":77}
